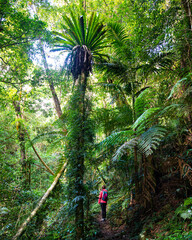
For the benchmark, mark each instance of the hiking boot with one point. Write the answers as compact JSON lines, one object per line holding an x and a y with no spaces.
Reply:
{"x":103,"y":219}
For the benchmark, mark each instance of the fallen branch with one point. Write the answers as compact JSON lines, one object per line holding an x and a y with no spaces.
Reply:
{"x":43,"y":199}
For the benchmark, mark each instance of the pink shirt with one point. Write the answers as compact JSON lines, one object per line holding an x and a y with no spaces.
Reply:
{"x":101,"y":195}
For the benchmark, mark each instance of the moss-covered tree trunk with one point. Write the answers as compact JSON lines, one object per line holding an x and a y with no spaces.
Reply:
{"x":79,"y":214}
{"x":79,"y":137}
{"x":25,"y":165}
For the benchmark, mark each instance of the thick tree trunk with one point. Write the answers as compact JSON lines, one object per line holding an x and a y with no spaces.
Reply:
{"x":25,"y":165}
{"x":43,"y":199}
{"x":79,"y":218}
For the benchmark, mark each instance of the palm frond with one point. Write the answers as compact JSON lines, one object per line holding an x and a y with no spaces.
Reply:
{"x":144,"y":101}
{"x":145,"y":120}
{"x":120,"y":41}
{"x":48,"y":136}
{"x":56,"y":145}
{"x":114,"y":70}
{"x":156,"y":63}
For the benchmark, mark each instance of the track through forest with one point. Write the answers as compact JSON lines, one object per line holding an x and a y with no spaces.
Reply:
{"x":107,"y":232}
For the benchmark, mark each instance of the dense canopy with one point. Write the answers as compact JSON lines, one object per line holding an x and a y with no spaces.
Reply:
{"x":95,"y":93}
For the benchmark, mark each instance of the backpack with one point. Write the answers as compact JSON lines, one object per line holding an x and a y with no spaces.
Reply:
{"x":105,"y":196}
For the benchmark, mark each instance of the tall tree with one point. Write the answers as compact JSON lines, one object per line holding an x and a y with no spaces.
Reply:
{"x":83,"y":39}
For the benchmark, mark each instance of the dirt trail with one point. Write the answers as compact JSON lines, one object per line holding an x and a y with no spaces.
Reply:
{"x":109,"y":233}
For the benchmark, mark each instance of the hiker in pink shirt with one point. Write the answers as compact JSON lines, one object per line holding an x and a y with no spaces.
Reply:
{"x":103,"y":196}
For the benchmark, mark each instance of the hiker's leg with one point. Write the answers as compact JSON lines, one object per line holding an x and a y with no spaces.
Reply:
{"x":104,"y":210}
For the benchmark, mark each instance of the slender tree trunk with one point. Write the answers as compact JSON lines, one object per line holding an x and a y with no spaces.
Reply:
{"x":136,"y":164}
{"x":186,"y":46}
{"x":55,"y":99}
{"x":136,"y":178}
{"x":188,"y":9}
{"x":51,"y":85}
{"x":25,"y":165}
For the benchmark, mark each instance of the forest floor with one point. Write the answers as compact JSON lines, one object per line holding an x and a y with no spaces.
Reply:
{"x":107,"y":232}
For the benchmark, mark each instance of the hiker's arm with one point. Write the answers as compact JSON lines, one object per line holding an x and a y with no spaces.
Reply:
{"x":100,"y":196}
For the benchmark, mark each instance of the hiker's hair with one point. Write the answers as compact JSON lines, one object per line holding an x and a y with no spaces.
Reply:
{"x":103,"y":187}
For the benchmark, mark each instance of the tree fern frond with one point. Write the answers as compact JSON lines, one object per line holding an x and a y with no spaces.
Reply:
{"x":150,"y":140}
{"x":123,"y":149}
{"x":114,"y":139}
{"x":178,"y":109}
{"x":186,"y":82}
{"x":187,"y":93}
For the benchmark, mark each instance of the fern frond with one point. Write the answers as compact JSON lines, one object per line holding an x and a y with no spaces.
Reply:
{"x":123,"y":149}
{"x":186,"y":82}
{"x":176,"y":109}
{"x":150,"y":140}
{"x":114,"y":139}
